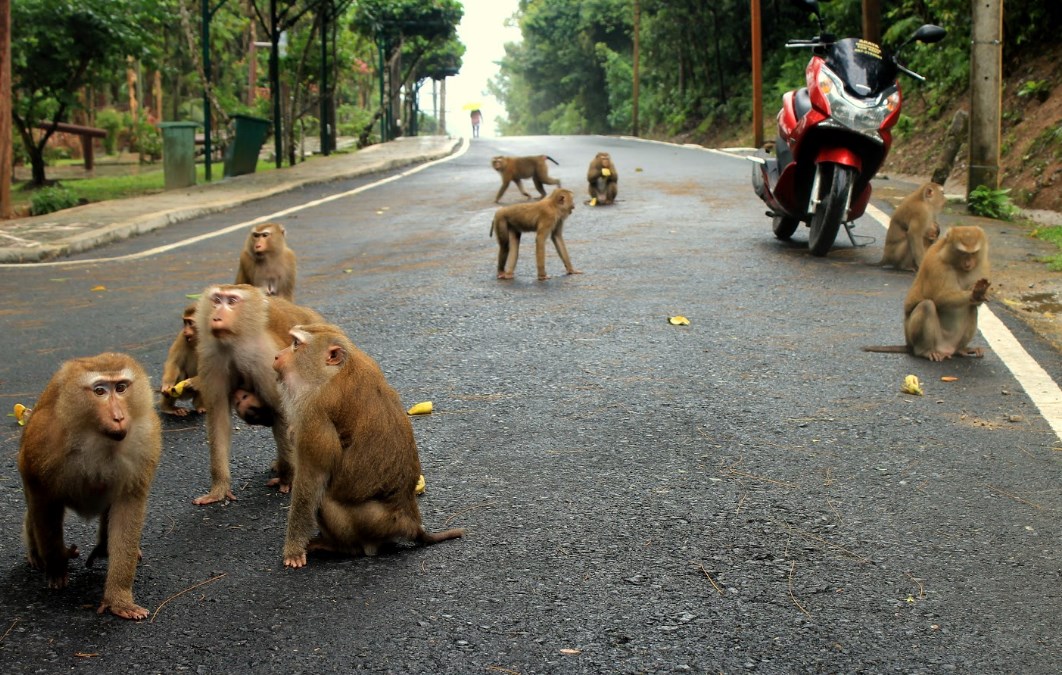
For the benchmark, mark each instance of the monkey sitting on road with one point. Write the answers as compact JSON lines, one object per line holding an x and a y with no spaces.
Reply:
{"x":358,"y":466}
{"x":518,"y":168}
{"x":181,"y":366}
{"x":913,"y":227}
{"x":267,"y":262}
{"x":92,"y":445}
{"x":603,"y":179}
{"x":940,"y":311}
{"x":545,"y":218}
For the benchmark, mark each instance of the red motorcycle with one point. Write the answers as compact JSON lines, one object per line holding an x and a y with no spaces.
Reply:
{"x":833,"y":134}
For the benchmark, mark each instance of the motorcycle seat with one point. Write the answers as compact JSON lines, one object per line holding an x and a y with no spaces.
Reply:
{"x":801,"y":102}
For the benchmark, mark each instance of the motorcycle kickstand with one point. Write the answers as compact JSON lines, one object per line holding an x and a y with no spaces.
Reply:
{"x":848,"y":227}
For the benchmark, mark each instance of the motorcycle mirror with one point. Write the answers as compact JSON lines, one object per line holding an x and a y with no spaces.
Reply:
{"x":929,"y":33}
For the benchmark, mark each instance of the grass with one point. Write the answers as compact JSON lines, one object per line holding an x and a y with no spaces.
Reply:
{"x":1053,"y":235}
{"x":101,"y":189}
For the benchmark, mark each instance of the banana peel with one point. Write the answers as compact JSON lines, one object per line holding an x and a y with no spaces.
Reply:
{"x":678,"y":320}
{"x":178,"y":389}
{"x":912,"y":386}
{"x":419,"y":490}
{"x":593,"y":202}
{"x":420,"y":409}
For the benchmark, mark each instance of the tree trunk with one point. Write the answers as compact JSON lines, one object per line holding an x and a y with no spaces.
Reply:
{"x":952,"y":142}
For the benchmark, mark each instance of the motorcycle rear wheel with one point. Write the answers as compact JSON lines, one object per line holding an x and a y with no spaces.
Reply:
{"x":835,"y":184}
{"x":784,"y":227}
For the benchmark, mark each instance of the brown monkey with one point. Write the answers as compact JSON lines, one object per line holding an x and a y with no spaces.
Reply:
{"x":267,"y":262}
{"x":251,"y":409}
{"x":913,"y":227}
{"x":240,"y":330}
{"x":515,"y":169}
{"x":545,"y":218}
{"x":181,"y":364}
{"x":357,"y":460}
{"x":940,"y":311}
{"x":603,"y":179}
{"x":92,"y":445}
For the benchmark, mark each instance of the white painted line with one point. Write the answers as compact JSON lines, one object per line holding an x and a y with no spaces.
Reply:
{"x":244,"y":225}
{"x":1039,"y":386}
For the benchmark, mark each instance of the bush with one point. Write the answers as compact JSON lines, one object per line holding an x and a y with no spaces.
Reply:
{"x":50,"y":199}
{"x":989,"y":203}
{"x":110,"y":120}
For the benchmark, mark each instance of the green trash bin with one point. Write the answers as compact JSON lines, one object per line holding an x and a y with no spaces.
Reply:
{"x":242,"y":155}
{"x":178,"y":153}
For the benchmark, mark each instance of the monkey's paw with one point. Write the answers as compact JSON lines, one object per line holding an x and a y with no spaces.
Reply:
{"x":295,"y":561}
{"x":980,"y":290}
{"x":214,"y":496}
{"x":125,"y":610}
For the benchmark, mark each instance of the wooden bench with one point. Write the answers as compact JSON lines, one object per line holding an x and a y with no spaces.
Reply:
{"x":86,"y":134}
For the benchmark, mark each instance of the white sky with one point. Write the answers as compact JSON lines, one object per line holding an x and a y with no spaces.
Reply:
{"x":484,"y":35}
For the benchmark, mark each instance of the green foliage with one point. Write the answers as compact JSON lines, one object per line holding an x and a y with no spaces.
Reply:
{"x":147,"y":140}
{"x":1054,"y":236}
{"x":991,"y":203}
{"x":1038,"y":89}
{"x":110,"y":120}
{"x":51,"y":199}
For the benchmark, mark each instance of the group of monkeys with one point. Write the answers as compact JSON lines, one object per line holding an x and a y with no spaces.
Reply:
{"x":546,"y":216}
{"x":93,"y":440}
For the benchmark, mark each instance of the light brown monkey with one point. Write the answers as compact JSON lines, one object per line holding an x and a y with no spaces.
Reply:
{"x":92,"y":445}
{"x":181,"y":364}
{"x":913,"y":227}
{"x":545,"y":218}
{"x":357,"y":460}
{"x":240,"y":331}
{"x":603,"y":179}
{"x":267,"y":262}
{"x":940,"y":311}
{"x":515,"y":169}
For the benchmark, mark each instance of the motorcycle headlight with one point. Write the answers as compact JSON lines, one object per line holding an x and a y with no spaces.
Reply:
{"x":864,"y":115}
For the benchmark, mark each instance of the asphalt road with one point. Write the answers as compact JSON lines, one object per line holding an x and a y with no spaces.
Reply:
{"x":747,"y":493}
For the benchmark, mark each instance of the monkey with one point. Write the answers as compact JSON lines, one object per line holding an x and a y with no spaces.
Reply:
{"x":940,"y":311}
{"x":92,"y":445}
{"x":357,"y":459}
{"x":181,"y":364}
{"x":518,"y":168}
{"x":251,"y":409}
{"x":913,"y":227}
{"x":603,"y":179}
{"x":240,"y":330}
{"x":545,"y":218}
{"x":267,"y":262}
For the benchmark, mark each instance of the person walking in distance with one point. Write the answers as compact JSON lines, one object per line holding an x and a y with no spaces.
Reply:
{"x":477,"y":117}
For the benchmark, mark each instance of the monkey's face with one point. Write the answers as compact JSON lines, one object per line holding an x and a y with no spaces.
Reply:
{"x":225,"y":307}
{"x":260,"y":239}
{"x":498,"y":163}
{"x":251,"y":409}
{"x":188,"y":331}
{"x":110,"y":392}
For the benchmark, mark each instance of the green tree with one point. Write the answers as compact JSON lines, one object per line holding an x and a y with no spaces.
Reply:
{"x":59,"y":47}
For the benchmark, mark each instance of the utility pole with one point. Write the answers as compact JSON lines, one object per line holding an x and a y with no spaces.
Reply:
{"x":986,"y":77}
{"x":6,"y":152}
{"x":757,"y":77}
{"x":636,"y":58}
{"x":872,"y":21}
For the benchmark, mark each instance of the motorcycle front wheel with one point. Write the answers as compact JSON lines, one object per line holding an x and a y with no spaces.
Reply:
{"x":835,"y":184}
{"x":784,"y":227}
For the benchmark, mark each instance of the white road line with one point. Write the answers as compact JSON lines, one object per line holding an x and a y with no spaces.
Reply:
{"x":1039,"y":386}
{"x":240,"y":226}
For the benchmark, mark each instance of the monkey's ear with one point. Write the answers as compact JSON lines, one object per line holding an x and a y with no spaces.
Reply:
{"x":337,"y":356}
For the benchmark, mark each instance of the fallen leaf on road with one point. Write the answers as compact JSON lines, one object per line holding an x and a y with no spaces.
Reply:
{"x":570,"y":651}
{"x":101,"y":287}
{"x":949,"y":378}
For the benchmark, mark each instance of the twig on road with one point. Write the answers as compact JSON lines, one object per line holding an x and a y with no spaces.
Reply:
{"x":792,"y":571}
{"x":711,"y":580}
{"x":1012,"y":496}
{"x":464,"y":511}
{"x":175,"y":595}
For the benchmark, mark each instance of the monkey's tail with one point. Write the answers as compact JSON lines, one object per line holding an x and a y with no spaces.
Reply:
{"x":429,"y":538}
{"x":889,"y":349}
{"x":552,"y":160}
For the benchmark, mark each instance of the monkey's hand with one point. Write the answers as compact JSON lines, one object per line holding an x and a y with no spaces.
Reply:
{"x":980,"y":290}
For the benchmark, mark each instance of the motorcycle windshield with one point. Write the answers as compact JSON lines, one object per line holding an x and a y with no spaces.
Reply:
{"x":861,"y":65}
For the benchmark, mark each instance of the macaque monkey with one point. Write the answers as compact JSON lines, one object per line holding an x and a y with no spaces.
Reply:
{"x":603,"y":179}
{"x":913,"y":227}
{"x":940,"y":311}
{"x":251,"y":409}
{"x":92,"y":445}
{"x":240,"y":331}
{"x":181,"y":364}
{"x":267,"y":262}
{"x":545,"y":218}
{"x":515,"y":169}
{"x":357,"y":460}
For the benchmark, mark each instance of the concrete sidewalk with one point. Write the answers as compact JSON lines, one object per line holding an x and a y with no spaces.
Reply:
{"x":34,"y":239}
